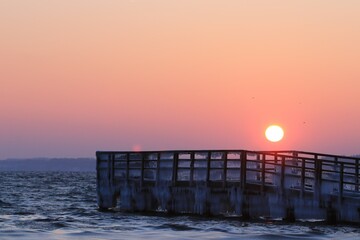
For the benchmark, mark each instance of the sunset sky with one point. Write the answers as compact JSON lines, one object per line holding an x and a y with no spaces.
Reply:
{"x":78,"y":76}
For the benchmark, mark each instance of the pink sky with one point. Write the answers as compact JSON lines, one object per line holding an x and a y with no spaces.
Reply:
{"x":83,"y":75}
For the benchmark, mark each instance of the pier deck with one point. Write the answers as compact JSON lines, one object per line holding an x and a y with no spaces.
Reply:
{"x":277,"y":184}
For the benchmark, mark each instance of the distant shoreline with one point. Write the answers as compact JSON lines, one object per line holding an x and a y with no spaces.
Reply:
{"x":49,"y":164}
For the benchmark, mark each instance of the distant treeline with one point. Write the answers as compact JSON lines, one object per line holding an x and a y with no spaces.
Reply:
{"x":49,"y":164}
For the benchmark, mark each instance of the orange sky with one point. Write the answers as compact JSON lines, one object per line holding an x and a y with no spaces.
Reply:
{"x":83,"y":75}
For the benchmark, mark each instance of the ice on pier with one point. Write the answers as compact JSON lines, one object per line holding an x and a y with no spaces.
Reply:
{"x":285,"y":184}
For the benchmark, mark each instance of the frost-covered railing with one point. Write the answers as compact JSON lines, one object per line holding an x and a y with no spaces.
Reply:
{"x":321,"y":175}
{"x":305,"y":171}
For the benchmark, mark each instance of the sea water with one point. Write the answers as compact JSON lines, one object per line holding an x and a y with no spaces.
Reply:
{"x":62,"y":205}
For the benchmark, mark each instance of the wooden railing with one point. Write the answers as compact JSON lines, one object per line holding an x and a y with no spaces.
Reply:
{"x":297,"y":170}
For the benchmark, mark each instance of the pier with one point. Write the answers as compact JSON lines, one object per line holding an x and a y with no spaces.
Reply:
{"x":289,"y":185}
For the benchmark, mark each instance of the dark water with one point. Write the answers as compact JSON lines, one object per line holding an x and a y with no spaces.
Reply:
{"x":53,"y":205}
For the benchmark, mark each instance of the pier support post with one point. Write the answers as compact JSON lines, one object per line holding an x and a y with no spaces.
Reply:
{"x":105,"y":184}
{"x":331,"y":214}
{"x":317,"y":184}
{"x":245,"y":211}
{"x":290,"y":214}
{"x":245,"y":208}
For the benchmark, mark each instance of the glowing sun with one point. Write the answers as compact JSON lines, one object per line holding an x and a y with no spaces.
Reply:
{"x":274,"y":133}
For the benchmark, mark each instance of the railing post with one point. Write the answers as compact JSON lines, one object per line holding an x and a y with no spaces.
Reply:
{"x":243,"y":170}
{"x":111,"y":168}
{"x":157,"y":168}
{"x":225,"y":169}
{"x":282,"y":176}
{"x":303,"y":165}
{"x":258,"y":166}
{"x":262,"y":173}
{"x":208,"y":168}
{"x":357,"y":175}
{"x":192,"y":158}
{"x":341,"y":181}
{"x":142,"y":168}
{"x":127,"y":166}
{"x":244,"y":200}
{"x":317,"y":185}
{"x":175,"y":168}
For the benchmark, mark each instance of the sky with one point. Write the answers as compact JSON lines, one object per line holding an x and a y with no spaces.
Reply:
{"x":85,"y":75}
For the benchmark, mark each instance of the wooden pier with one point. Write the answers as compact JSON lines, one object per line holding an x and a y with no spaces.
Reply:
{"x":289,"y":185}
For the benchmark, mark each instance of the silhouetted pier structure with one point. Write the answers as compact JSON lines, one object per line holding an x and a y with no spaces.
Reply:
{"x":277,"y":184}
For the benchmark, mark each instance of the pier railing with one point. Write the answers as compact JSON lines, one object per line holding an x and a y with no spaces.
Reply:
{"x":304,"y":171}
{"x":319,"y":178}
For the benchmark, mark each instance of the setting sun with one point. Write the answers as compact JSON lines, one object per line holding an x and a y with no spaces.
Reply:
{"x":274,"y":133}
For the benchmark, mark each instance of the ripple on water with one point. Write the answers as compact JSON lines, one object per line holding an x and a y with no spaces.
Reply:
{"x":176,"y":227}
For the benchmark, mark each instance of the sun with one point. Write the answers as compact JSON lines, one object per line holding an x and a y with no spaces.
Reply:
{"x":274,"y":133}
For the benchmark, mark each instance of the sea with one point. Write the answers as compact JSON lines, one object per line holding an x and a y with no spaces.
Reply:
{"x":62,"y":205}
